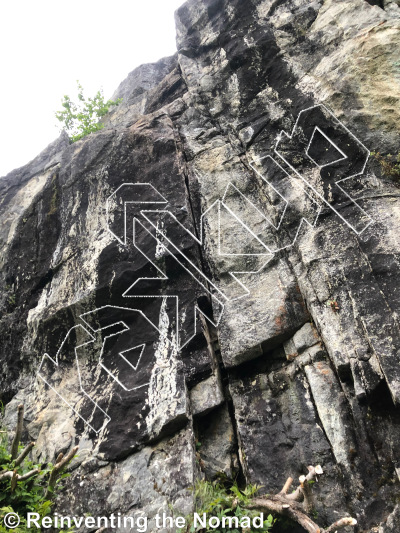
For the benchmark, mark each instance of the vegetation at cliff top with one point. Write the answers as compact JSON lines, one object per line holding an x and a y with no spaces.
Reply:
{"x":80,"y":119}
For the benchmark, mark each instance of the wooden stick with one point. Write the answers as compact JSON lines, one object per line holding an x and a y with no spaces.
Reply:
{"x":59,"y":457}
{"x":18,"y":432}
{"x":307,"y":494}
{"x":14,"y":478}
{"x":28,"y":475}
{"x":5,"y":475}
{"x":57,"y":470}
{"x":10,"y":473}
{"x":287,"y":485}
{"x":288,"y":504}
{"x":285,"y":509}
{"x":343,"y":522}
{"x":292,"y":511}
{"x":298,"y":494}
{"x":24,"y":453}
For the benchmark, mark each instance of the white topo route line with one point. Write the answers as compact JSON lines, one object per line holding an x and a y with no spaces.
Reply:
{"x":151,"y":208}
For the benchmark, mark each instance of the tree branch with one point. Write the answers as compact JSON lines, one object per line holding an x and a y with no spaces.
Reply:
{"x":10,"y":474}
{"x":14,"y":479}
{"x":57,"y":470}
{"x":26,"y":476}
{"x":287,"y":485}
{"x":289,"y":504}
{"x":283,"y":508}
{"x":18,"y":432}
{"x":24,"y":453}
{"x":307,"y":494}
{"x":343,"y":522}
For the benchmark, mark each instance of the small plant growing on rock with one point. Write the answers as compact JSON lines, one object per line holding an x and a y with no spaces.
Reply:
{"x":10,"y":300}
{"x":333,"y":305}
{"x":80,"y":119}
{"x":25,"y":486}
{"x":390,"y":164}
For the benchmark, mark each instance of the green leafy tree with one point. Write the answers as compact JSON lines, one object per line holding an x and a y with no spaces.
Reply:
{"x":80,"y":119}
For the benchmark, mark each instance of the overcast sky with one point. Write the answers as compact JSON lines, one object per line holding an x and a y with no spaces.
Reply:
{"x":46,"y":45}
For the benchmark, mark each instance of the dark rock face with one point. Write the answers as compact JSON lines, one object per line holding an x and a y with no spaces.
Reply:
{"x":219,"y":264}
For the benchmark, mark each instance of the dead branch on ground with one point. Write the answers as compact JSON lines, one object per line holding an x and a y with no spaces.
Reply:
{"x":297,"y":504}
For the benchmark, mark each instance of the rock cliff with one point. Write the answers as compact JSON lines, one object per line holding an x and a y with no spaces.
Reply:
{"x":220,"y":265}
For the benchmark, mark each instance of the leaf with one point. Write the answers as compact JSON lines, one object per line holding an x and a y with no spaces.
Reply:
{"x":82,"y":119}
